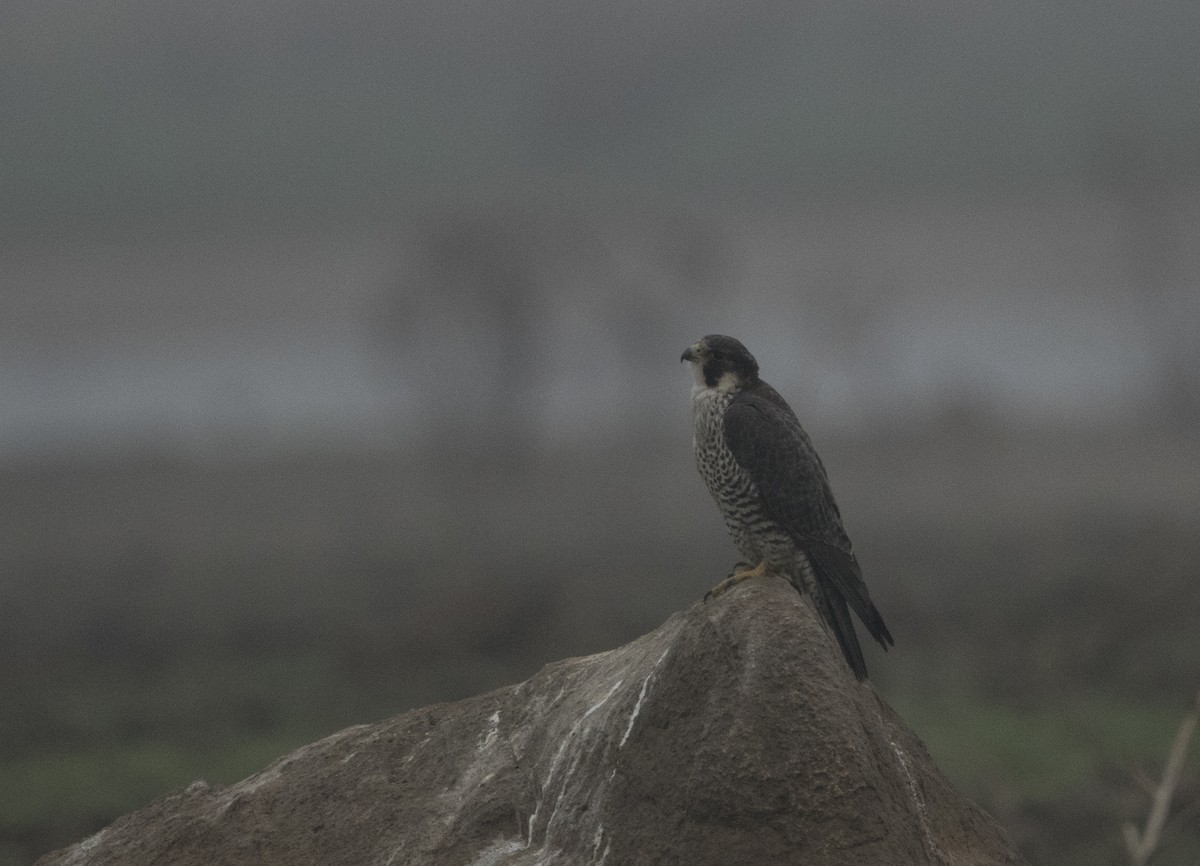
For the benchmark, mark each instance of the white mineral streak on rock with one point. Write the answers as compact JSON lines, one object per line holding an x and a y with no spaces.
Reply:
{"x":918,"y":801}
{"x":79,"y":856}
{"x":582,"y":739}
{"x":498,"y":853}
{"x":493,"y":731}
{"x":597,"y":838}
{"x":577,"y":744}
{"x":416,"y":749}
{"x":488,"y":759}
{"x":637,"y":707}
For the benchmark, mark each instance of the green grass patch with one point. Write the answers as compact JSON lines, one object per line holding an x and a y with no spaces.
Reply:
{"x":1041,"y":752}
{"x":116,"y":778}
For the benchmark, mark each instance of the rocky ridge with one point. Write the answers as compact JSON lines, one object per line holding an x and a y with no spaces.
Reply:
{"x":733,"y":733}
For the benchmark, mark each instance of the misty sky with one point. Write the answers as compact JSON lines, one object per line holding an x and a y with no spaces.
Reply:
{"x":218,"y":218}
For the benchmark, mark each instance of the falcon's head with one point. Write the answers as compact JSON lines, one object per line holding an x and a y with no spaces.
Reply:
{"x":722,"y":363}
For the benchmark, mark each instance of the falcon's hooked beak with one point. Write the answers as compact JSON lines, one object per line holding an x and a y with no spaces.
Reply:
{"x":689,"y":354}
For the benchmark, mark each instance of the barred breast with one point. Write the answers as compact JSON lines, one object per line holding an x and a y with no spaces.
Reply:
{"x":756,"y":535}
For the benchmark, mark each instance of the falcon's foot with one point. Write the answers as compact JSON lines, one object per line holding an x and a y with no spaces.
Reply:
{"x":739,"y":574}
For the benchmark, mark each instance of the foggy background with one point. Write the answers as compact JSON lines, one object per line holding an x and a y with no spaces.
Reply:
{"x":339,"y":369}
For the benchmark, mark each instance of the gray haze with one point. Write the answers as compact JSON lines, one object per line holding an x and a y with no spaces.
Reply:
{"x":1023,"y":311}
{"x":226,"y":219}
{"x":339,"y":368}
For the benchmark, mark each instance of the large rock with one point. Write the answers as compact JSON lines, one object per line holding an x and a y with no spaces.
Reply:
{"x":733,"y":734}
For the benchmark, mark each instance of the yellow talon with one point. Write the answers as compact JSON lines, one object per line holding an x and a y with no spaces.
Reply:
{"x":736,"y":578}
{"x":758,"y":571}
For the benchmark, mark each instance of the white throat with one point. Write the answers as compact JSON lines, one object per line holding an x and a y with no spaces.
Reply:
{"x":725,"y":385}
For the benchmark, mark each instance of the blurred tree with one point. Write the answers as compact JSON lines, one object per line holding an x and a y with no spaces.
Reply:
{"x":461,"y":328}
{"x":492,"y":302}
{"x":1140,"y":180}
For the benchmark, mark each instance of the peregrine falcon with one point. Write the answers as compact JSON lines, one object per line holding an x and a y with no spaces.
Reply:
{"x":771,"y":487}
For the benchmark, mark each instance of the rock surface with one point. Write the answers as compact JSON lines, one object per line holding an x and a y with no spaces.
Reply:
{"x":732,"y":734}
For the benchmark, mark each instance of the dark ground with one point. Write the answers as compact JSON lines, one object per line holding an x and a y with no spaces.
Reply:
{"x":166,"y":619}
